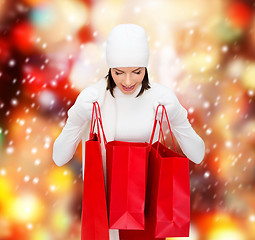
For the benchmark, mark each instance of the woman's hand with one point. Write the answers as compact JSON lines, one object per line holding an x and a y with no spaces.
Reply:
{"x":81,"y":111}
{"x":175,"y":111}
{"x":171,"y":107}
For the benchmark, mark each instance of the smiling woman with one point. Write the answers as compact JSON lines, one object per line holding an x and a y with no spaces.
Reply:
{"x":128,"y":103}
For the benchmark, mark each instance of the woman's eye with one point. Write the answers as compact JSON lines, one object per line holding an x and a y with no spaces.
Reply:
{"x":117,"y":73}
{"x":138,"y":72}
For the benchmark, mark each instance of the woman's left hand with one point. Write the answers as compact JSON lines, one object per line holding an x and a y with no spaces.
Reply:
{"x":171,"y":107}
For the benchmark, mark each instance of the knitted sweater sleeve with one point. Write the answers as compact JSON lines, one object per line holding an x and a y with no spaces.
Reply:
{"x":66,"y":143}
{"x":79,"y":115}
{"x":190,"y":142}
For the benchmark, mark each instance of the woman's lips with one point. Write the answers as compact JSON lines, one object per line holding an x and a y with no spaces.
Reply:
{"x":128,"y":89}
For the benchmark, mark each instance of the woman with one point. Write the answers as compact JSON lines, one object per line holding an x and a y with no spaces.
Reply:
{"x":127,"y":101}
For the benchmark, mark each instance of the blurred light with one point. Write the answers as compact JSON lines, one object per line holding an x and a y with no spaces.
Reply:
{"x":53,"y":188}
{"x":23,"y":37}
{"x":224,"y":48}
{"x":1,"y":138}
{"x":227,"y":33}
{"x":75,"y":12}
{"x":60,"y":179}
{"x":228,"y":144}
{"x":105,"y":15}
{"x":28,"y":130}
{"x":6,"y":195}
{"x":37,"y":162}
{"x":252,"y":218}
{"x":35,"y":180}
{"x":12,"y":63}
{"x":9,"y":150}
{"x":61,"y":220}
{"x":65,"y":16}
{"x":34,"y":150}
{"x":251,"y":93}
{"x":5,"y":53}
{"x":207,"y":174}
{"x":2,"y":7}
{"x":235,"y":68}
{"x":248,"y":77}
{"x":26,"y":178}
{"x":87,"y":66}
{"x":43,"y":15}
{"x":47,"y":99}
{"x":35,"y":2}
{"x":200,"y":61}
{"x":26,"y":207}
{"x":14,"y":102}
{"x":41,"y":234}
{"x":3,"y":172}
{"x":239,"y":14}
{"x":30,"y":226}
{"x":223,"y":234}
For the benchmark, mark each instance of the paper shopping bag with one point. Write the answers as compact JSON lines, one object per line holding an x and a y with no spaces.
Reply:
{"x":127,"y":164}
{"x":168,"y":190}
{"x":94,"y":224}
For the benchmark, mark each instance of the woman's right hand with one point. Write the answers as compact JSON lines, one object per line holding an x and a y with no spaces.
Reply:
{"x":81,"y":111}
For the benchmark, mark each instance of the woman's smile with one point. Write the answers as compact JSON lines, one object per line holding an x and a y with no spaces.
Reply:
{"x":128,"y":89}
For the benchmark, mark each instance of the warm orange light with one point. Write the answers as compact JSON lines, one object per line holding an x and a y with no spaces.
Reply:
{"x":26,"y":208}
{"x":35,"y":2}
{"x":224,"y":227}
{"x":60,"y":180}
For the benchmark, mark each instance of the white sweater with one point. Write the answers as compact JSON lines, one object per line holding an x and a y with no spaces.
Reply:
{"x":127,"y":118}
{"x":133,"y":122}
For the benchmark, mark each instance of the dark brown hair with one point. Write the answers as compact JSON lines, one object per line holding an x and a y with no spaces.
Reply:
{"x":111,"y":84}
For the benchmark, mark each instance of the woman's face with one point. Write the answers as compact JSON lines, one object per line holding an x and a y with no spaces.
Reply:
{"x":127,"y":79}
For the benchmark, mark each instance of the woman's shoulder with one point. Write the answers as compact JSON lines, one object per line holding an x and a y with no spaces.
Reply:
{"x":99,"y":87}
{"x":101,"y":84}
{"x":158,"y":89}
{"x":94,"y":90}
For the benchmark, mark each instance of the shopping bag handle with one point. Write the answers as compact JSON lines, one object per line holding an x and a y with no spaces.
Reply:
{"x":96,"y":113}
{"x":101,"y":122}
{"x":160,"y":125}
{"x":154,"y":127}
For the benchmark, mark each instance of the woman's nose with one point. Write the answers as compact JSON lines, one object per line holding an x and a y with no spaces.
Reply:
{"x":128,"y":80}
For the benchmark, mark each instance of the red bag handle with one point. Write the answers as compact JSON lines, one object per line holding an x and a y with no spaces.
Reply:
{"x":98,"y":119}
{"x":160,"y":124}
{"x":92,"y":125}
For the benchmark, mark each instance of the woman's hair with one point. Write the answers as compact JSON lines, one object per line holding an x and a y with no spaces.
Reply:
{"x":111,"y":84}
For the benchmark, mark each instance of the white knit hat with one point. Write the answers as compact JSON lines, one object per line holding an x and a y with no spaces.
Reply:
{"x":127,"y":46}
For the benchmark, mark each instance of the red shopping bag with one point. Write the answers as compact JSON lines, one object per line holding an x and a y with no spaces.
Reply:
{"x":127,"y":164}
{"x":146,"y":234}
{"x":94,"y":224}
{"x":168,"y":189}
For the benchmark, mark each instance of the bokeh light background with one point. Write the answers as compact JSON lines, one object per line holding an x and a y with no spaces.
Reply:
{"x":51,"y":49}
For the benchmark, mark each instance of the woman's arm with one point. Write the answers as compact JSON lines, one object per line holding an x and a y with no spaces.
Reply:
{"x":65,"y":145}
{"x":79,"y":114}
{"x":190,"y":142}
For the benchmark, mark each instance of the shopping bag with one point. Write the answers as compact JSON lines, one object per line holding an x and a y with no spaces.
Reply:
{"x":94,"y":223}
{"x":168,"y":189}
{"x":127,"y":164}
{"x":146,"y":234}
